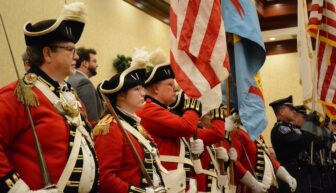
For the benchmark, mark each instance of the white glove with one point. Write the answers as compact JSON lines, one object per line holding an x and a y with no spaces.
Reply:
{"x":21,"y":187}
{"x":196,"y":146}
{"x":159,"y":189}
{"x":233,"y":154}
{"x":149,"y":190}
{"x":251,"y":182}
{"x":53,"y":190}
{"x":333,"y":147}
{"x":221,"y":153}
{"x":283,"y":175}
{"x":229,"y":122}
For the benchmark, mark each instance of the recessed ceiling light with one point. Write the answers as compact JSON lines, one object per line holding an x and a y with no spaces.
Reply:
{"x":166,"y":20}
{"x":139,"y":5}
{"x":272,"y":38}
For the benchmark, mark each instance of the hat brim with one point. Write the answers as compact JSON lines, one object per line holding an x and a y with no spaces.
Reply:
{"x":159,"y":73}
{"x":136,"y":73}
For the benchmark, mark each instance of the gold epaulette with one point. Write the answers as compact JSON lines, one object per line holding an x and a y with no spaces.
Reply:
{"x":103,"y":126}
{"x":24,"y":90}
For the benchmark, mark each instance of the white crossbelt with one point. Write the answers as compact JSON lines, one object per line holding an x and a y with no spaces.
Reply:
{"x":145,"y":143}
{"x":80,"y":132}
{"x":214,"y":161}
{"x":177,"y":159}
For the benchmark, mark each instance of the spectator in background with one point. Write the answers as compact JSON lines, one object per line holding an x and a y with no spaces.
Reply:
{"x":86,"y":67}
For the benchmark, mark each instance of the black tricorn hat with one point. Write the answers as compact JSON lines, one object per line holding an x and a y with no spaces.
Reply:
{"x":301,"y":109}
{"x":161,"y":70}
{"x":131,"y":77}
{"x":68,"y":27}
{"x":288,"y":101}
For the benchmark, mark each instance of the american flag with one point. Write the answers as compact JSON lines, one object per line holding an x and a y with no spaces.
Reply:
{"x":322,"y":26}
{"x":198,"y":54}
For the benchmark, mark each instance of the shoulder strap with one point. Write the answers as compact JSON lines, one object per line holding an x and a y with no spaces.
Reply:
{"x":181,"y":159}
{"x":214,"y":160}
{"x":145,"y":143}
{"x":71,"y":162}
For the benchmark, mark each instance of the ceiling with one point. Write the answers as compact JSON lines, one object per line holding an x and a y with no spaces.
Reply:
{"x":278,"y":21}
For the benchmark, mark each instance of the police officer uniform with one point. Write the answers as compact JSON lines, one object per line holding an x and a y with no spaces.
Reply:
{"x":289,"y":143}
{"x":62,"y":132}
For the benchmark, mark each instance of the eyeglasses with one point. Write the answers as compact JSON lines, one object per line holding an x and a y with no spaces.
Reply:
{"x":67,"y":48}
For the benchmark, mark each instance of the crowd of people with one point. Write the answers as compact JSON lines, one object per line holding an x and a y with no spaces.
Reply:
{"x":139,"y":133}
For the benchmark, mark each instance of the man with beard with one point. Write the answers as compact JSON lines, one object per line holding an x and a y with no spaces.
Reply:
{"x":86,"y":68}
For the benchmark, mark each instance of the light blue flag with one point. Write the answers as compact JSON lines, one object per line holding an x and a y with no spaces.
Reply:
{"x":246,"y":59}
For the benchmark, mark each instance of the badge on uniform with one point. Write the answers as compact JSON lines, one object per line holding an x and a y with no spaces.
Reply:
{"x":284,"y":129}
{"x":298,"y":131}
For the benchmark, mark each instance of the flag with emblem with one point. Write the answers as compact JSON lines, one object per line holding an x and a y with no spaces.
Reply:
{"x":246,"y":57}
{"x":322,"y":25}
{"x":198,"y":45}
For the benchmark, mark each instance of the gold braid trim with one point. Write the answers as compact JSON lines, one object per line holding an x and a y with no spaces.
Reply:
{"x":103,"y":126}
{"x":24,"y":93}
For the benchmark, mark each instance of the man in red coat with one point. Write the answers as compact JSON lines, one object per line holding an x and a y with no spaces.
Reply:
{"x":210,"y":178}
{"x":166,"y":128}
{"x":61,"y":130}
{"x":256,"y":170}
{"x":211,"y":132}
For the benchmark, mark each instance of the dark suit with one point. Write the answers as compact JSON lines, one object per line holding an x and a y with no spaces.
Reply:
{"x":88,"y":95}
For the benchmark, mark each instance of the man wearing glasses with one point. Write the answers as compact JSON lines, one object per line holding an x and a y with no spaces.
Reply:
{"x":61,"y":130}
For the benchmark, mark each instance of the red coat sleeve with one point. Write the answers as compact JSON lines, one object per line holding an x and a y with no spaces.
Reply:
{"x":7,"y":133}
{"x":109,"y":150}
{"x":159,"y":121}
{"x":213,"y":134}
{"x":240,"y":170}
{"x":17,"y":150}
{"x":226,"y":144}
{"x":275,"y":163}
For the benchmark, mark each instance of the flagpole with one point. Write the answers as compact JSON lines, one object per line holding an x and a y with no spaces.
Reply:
{"x":220,"y":161}
{"x":228,"y":107}
{"x":315,"y":67}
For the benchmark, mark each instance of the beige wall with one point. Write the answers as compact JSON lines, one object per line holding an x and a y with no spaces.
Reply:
{"x":113,"y":27}
{"x":280,"y":78}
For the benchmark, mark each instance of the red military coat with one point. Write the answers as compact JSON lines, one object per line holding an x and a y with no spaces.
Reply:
{"x":251,"y":147}
{"x":118,"y":167}
{"x":166,"y":128}
{"x":210,"y":136}
{"x":17,"y":149}
{"x":214,"y":134}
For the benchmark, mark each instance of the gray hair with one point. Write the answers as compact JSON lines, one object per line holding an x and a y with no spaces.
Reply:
{"x":24,"y":57}
{"x":34,"y":56}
